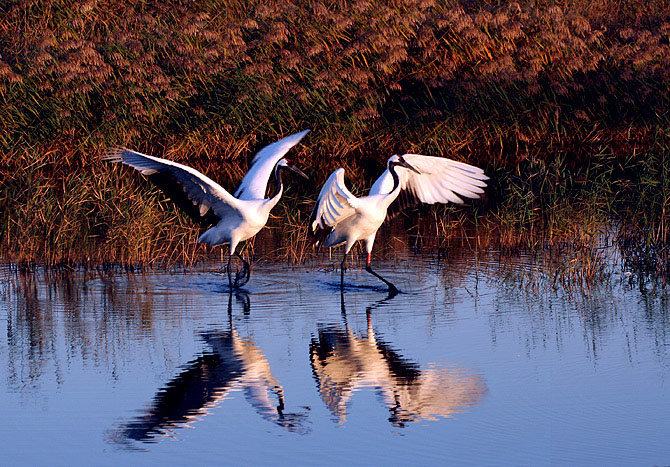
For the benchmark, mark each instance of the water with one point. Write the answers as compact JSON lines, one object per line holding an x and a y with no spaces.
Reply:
{"x":480,"y":361}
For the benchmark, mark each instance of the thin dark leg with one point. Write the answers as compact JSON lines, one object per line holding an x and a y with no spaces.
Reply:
{"x":240,"y":297}
{"x":280,"y":406}
{"x":230,"y":280}
{"x":342,"y":268}
{"x":243,"y":276}
{"x":246,"y":303}
{"x":230,"y":309}
{"x":392,"y":288}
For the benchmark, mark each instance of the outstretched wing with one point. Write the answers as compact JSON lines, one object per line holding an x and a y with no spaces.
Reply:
{"x":334,"y":204}
{"x":441,"y":181}
{"x":255,"y":182}
{"x":202,"y":198}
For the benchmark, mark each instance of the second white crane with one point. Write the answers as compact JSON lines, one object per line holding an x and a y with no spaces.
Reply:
{"x":339,"y":217}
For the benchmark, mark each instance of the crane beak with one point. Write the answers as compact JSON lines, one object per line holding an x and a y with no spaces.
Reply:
{"x":403,"y":163}
{"x":296,"y":170}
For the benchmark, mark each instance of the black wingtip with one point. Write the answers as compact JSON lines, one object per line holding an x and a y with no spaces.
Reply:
{"x":112,"y":155}
{"x":317,"y":235}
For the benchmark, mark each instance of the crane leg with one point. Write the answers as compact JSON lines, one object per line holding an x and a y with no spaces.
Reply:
{"x":242,"y":277}
{"x":392,"y":288}
{"x":230,"y":281}
{"x":342,"y":268}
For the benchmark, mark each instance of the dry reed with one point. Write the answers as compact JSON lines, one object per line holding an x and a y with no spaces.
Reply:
{"x":560,"y":101}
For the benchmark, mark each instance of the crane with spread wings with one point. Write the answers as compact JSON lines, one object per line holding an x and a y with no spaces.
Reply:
{"x":339,"y":217}
{"x":233,"y":218}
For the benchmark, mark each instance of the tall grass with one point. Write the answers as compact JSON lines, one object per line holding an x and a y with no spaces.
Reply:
{"x":560,"y":101}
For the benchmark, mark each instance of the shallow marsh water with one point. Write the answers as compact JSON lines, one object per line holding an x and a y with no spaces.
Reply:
{"x":480,"y":361}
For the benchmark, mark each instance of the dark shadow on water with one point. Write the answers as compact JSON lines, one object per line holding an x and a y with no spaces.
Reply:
{"x":350,"y":287}
{"x":231,"y":363}
{"x":215,"y":283}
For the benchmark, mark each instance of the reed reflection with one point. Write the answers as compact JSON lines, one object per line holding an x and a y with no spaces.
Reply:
{"x":344,"y":362}
{"x":232,"y":363}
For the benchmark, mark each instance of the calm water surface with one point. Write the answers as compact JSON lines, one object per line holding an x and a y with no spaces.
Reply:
{"x":479,"y":362}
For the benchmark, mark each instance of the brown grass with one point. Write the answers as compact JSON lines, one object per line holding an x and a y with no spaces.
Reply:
{"x":544,"y":95}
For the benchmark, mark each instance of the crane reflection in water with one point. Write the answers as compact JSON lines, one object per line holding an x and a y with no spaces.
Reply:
{"x":232,"y":363}
{"x":344,"y":362}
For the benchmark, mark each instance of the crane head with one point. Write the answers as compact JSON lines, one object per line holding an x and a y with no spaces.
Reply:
{"x":399,"y":161}
{"x":287,"y":164}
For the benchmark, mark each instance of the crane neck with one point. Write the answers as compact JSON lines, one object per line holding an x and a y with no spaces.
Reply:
{"x":387,"y":199}
{"x":279,"y":186}
{"x":395,"y":191}
{"x":396,"y":177}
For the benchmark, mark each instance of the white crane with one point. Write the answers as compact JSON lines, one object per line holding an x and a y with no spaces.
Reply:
{"x":235,"y":217}
{"x":340,"y":217}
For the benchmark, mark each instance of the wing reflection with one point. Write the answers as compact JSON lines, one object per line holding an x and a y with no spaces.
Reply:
{"x":344,"y":362}
{"x":234,"y":363}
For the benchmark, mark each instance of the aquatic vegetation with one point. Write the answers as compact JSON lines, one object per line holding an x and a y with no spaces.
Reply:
{"x":562,"y":103}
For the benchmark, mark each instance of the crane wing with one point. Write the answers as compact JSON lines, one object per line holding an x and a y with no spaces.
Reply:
{"x":201,"y":198}
{"x":255,"y":182}
{"x":441,"y":180}
{"x":334,"y":204}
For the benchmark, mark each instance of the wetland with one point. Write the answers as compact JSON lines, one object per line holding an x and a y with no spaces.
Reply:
{"x":484,"y":358}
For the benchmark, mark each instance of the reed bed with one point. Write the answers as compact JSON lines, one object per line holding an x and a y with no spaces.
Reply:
{"x":565,"y":104}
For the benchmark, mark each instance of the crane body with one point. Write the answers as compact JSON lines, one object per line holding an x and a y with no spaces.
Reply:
{"x":339,"y":217}
{"x":233,"y":218}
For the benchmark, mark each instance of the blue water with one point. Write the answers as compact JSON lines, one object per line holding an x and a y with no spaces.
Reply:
{"x":481,"y":361}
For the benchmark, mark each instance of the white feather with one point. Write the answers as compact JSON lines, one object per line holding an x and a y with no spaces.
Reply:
{"x":441,"y":180}
{"x":240,"y":218}
{"x":335,"y":202}
{"x":255,"y":182}
{"x":200,"y":189}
